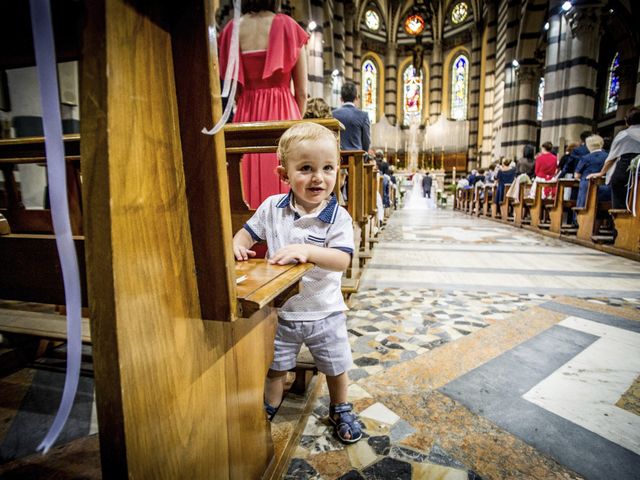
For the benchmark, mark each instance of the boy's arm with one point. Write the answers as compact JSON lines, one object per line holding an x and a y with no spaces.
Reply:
{"x":242,"y":242}
{"x":326,"y":258}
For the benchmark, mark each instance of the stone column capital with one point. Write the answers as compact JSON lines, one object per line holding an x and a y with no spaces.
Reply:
{"x":528,"y":73}
{"x":585,"y":20}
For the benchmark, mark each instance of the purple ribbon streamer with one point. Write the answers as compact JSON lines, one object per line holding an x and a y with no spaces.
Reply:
{"x":56,"y":172}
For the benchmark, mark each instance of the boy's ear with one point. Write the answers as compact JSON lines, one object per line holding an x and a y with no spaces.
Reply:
{"x":282,"y":173}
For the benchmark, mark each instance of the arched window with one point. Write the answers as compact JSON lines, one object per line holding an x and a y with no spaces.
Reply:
{"x":540,"y":100}
{"x":613,"y":86}
{"x":459,"y":87}
{"x":370,"y":89}
{"x":412,"y":94}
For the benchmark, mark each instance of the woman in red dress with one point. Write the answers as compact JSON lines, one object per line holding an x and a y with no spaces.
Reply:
{"x":272,"y":54}
{"x":546,"y":165}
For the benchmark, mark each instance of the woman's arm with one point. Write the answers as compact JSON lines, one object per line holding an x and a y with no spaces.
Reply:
{"x":607,"y":165}
{"x":299,"y":75}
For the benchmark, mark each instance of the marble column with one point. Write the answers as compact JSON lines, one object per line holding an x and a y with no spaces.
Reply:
{"x":572,"y":80}
{"x":390,"y":83}
{"x":328,"y":58}
{"x":526,"y":125}
{"x":314,"y":51}
{"x":474,"y":96}
{"x":348,"y":41}
{"x":357,"y":58}
{"x":487,"y":80}
{"x":435,"y":78}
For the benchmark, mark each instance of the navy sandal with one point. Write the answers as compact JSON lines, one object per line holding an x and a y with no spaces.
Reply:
{"x":345,"y":422}
{"x":271,"y":411}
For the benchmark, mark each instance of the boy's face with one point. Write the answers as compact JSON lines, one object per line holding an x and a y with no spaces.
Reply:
{"x":311,"y":171}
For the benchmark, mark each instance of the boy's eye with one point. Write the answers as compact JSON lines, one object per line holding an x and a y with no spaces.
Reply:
{"x":328,"y":168}
{"x":305,"y":168}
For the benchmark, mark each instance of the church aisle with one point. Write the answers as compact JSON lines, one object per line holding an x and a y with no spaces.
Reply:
{"x":482,"y":351}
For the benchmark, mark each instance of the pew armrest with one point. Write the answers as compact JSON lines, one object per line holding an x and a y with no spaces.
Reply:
{"x":267,"y":283}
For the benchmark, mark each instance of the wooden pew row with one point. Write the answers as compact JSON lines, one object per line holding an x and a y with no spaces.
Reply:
{"x":553,"y":217}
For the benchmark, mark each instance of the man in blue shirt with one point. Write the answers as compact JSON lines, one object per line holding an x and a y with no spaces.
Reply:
{"x":357,"y":134}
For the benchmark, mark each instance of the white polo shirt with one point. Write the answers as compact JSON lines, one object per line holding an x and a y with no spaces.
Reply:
{"x":279,"y":224}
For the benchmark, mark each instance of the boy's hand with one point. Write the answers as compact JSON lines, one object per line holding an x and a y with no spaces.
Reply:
{"x":294,"y":253}
{"x":242,"y":253}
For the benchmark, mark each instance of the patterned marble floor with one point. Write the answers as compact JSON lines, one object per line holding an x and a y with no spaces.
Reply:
{"x":470,"y":341}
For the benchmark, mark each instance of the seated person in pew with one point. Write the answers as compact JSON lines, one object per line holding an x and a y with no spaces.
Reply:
{"x":588,"y":164}
{"x":307,"y":225}
{"x":624,"y":148}
{"x":506,"y":174}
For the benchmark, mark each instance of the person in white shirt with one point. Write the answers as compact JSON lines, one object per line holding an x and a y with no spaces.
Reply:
{"x":308,"y":225}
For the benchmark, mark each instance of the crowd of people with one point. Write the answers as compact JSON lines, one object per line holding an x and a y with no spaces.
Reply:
{"x":591,"y":157}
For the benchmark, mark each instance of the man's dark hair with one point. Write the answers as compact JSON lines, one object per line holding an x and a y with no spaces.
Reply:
{"x":258,"y":5}
{"x":633,"y":116}
{"x":528,"y":152}
{"x":585,"y":134}
{"x":348,"y":92}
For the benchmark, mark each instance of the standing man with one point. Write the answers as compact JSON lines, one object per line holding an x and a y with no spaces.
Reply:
{"x":426,"y":185}
{"x":357,"y":134}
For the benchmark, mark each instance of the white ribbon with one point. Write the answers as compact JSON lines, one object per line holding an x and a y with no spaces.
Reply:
{"x":56,"y":172}
{"x":233,"y":67}
{"x":633,"y":183}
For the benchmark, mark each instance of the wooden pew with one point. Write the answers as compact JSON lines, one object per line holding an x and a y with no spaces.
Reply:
{"x":537,"y":209}
{"x":561,"y":208}
{"x":488,"y":200}
{"x":353,"y":161}
{"x":495,"y":210}
{"x":628,"y":227}
{"x":166,"y":315}
{"x":30,"y":150}
{"x":521,"y":207}
{"x":588,"y":217}
{"x":477,"y":201}
{"x":506,"y":206}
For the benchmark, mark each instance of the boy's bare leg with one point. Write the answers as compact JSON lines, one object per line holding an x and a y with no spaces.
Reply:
{"x":274,"y":387}
{"x":338,"y":388}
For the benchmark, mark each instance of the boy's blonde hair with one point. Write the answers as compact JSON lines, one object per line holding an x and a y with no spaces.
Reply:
{"x":300,"y":132}
{"x":594,"y":142}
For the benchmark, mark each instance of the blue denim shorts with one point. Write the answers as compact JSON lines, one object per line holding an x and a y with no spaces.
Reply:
{"x":327,"y":340}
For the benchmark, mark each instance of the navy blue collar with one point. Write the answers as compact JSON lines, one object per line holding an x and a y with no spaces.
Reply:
{"x":328,"y":213}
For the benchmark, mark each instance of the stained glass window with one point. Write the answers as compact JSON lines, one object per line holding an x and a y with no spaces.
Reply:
{"x":372,"y":20}
{"x":369,"y":89}
{"x":613,"y":86}
{"x":459,"y":88}
{"x":540,"y":100}
{"x":459,"y":13}
{"x":412,"y":94}
{"x":414,"y":25}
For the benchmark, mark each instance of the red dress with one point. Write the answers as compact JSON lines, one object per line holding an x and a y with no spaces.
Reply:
{"x":546,"y":165}
{"x":264,"y":93}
